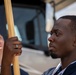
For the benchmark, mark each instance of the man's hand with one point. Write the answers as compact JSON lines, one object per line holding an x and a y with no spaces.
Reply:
{"x":12,"y":46}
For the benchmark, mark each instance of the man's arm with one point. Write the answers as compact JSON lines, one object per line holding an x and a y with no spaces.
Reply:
{"x":10,"y":49}
{"x":6,"y":69}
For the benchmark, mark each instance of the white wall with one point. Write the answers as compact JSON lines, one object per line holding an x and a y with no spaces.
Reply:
{"x":69,"y":10}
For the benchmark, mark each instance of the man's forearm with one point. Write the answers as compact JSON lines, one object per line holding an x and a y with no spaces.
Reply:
{"x":5,"y":69}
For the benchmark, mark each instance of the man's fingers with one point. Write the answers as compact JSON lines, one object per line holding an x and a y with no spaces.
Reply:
{"x":13,"y":38}
{"x":17,"y":52}
{"x":17,"y":46}
{"x":17,"y":42}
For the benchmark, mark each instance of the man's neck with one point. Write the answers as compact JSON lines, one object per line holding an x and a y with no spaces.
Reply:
{"x":67,"y":60}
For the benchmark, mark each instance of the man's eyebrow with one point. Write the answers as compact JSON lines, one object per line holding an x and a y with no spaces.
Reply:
{"x":55,"y":29}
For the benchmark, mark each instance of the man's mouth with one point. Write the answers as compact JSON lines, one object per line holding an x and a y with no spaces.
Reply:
{"x":51,"y":47}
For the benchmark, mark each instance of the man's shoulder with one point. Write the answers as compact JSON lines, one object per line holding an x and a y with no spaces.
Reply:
{"x":74,"y":73}
{"x":49,"y":71}
{"x":70,"y":70}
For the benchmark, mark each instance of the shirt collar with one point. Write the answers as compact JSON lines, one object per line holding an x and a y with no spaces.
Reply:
{"x":59,"y":65}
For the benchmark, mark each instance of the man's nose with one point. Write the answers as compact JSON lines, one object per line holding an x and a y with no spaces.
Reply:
{"x":51,"y":38}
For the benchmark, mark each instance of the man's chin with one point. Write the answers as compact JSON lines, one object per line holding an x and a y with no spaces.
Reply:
{"x":54,"y":56}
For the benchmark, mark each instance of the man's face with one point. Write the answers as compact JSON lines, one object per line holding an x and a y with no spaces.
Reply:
{"x":61,"y":39}
{"x":1,"y":47}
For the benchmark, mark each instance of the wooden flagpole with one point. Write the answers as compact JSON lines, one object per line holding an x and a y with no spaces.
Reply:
{"x":11,"y":32}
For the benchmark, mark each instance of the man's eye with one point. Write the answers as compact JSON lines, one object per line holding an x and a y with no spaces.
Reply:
{"x":57,"y":34}
{"x":52,"y":33}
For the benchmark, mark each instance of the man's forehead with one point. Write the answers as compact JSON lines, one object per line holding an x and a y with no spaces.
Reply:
{"x":62,"y":23}
{"x":63,"y":20}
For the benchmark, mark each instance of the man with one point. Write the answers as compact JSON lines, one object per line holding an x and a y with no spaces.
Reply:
{"x":63,"y":45}
{"x":12,"y":47}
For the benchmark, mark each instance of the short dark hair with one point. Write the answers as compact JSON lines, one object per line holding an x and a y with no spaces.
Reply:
{"x":73,"y":21}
